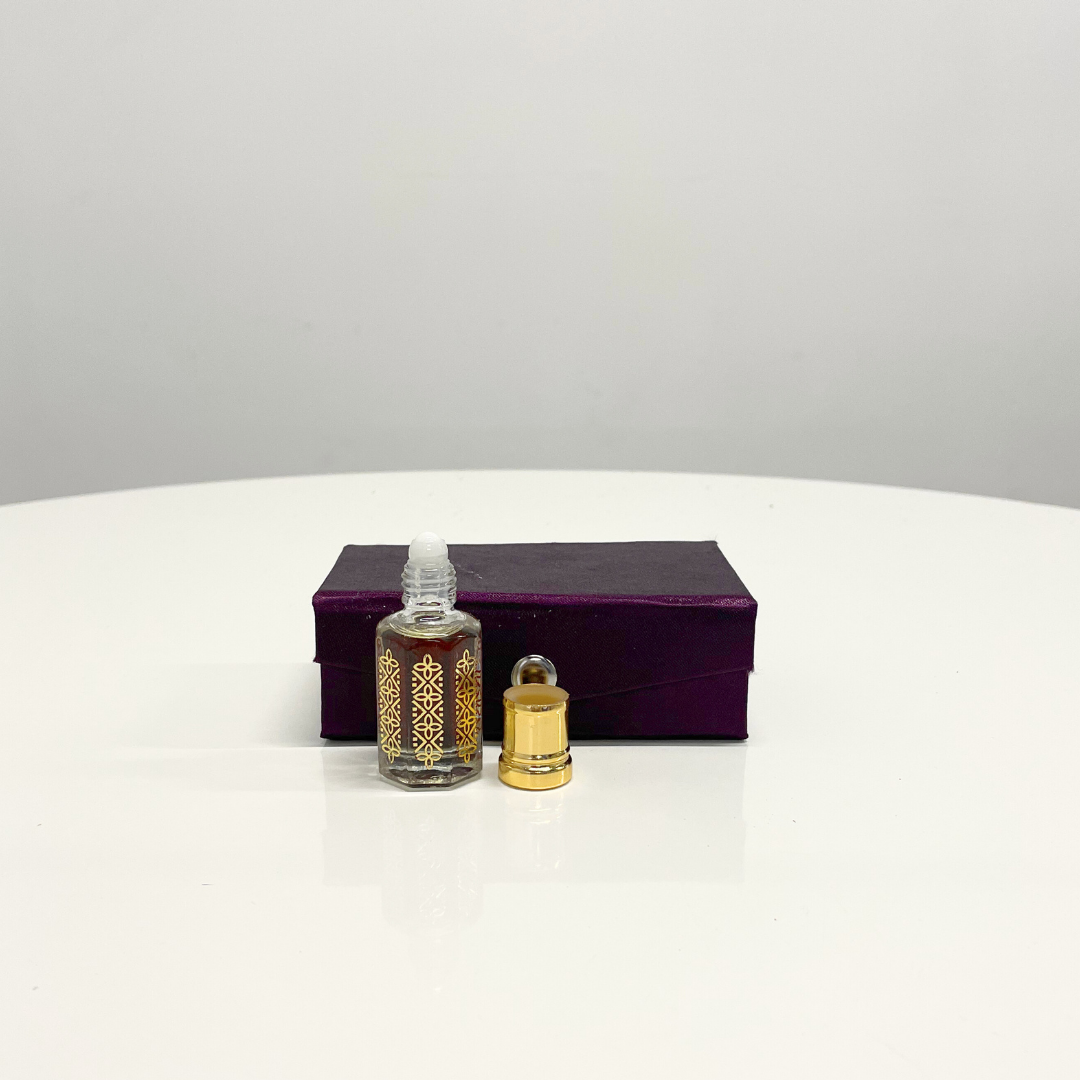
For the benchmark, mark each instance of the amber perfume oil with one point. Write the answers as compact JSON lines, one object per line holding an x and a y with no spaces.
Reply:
{"x":428,"y":671}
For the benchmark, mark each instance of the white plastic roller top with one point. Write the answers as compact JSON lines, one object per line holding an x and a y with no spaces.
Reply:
{"x":428,"y":550}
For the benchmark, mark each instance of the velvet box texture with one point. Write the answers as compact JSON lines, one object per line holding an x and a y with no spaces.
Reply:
{"x":652,"y":639}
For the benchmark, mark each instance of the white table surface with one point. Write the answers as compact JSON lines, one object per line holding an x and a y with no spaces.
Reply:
{"x":882,"y":882}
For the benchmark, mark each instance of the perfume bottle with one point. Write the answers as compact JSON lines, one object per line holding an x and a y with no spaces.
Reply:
{"x":427,"y":658}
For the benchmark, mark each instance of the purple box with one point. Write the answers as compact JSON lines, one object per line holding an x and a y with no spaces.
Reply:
{"x":653,"y":640}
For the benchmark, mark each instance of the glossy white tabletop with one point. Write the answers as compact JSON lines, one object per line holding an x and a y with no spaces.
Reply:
{"x":882,"y":882}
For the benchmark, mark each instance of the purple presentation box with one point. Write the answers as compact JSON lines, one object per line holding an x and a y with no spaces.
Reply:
{"x":652,"y":640}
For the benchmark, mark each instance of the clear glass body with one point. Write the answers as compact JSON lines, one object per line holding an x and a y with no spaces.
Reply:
{"x":428,"y":668}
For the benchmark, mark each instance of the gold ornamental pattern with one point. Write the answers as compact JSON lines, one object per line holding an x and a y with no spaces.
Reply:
{"x":389,"y":682}
{"x":427,"y":719}
{"x":467,"y":705}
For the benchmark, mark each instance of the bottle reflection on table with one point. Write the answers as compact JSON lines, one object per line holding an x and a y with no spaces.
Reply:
{"x":432,"y":853}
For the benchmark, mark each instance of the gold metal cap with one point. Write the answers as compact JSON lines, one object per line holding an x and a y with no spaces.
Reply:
{"x":536,"y":749}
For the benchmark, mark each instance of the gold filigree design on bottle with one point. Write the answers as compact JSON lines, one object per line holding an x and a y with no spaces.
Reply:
{"x":427,"y":720}
{"x":467,"y":705}
{"x":389,"y":682}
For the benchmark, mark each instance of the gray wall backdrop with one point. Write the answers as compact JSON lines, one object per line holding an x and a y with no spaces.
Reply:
{"x":834,"y":239}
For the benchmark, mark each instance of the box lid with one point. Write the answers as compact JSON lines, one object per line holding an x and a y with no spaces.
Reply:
{"x":613,"y":617}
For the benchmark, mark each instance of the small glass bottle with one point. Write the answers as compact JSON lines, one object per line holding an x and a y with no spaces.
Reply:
{"x":427,"y":660}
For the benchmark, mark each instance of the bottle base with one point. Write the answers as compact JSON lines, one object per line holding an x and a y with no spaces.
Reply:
{"x":419,"y":777}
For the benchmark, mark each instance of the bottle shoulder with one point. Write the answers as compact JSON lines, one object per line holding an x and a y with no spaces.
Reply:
{"x":454,"y":623}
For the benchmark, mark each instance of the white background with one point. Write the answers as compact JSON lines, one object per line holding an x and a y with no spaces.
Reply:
{"x":832,"y":239}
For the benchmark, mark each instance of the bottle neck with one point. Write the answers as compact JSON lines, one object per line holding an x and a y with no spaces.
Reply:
{"x":429,"y":591}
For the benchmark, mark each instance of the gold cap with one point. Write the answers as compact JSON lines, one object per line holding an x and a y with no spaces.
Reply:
{"x":536,"y":749}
